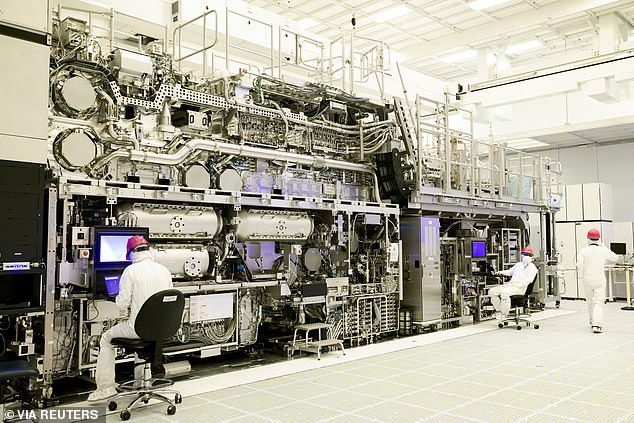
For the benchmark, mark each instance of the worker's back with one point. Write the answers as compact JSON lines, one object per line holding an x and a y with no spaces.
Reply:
{"x":591,"y":261}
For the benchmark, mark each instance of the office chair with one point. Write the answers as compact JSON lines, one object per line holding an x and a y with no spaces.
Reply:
{"x":158,"y":320}
{"x":520,"y":310}
{"x":10,"y":371}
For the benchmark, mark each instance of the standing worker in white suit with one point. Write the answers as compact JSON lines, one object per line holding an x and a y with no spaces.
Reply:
{"x":522,"y":274}
{"x":590,"y":263}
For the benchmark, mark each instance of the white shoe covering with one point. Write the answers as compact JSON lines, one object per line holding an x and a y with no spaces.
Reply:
{"x":103,"y":394}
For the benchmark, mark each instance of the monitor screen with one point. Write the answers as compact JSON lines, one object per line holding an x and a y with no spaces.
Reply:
{"x":618,"y":248}
{"x":112,"y":285}
{"x":113,"y":248}
{"x":478,"y":249}
{"x":110,"y":244}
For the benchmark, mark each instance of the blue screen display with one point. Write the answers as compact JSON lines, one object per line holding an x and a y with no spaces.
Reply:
{"x":112,"y":285}
{"x":478,"y":249}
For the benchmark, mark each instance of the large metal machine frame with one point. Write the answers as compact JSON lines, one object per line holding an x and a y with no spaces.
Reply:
{"x":273,"y":204}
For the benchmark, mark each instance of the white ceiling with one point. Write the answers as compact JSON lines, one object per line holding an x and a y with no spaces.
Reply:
{"x":615,"y":133}
{"x":436,"y":28}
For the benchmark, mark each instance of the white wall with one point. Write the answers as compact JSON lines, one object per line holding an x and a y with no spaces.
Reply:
{"x":611,"y":164}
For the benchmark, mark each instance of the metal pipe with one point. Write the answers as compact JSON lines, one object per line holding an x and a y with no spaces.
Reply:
{"x":196,"y":145}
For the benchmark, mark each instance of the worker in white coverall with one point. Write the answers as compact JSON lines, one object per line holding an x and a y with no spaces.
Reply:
{"x":139,"y":281}
{"x":590,"y":263}
{"x":522,"y":274}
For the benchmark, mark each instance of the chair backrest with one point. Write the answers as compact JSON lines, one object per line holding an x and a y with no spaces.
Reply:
{"x":160,"y":316}
{"x":529,"y":288}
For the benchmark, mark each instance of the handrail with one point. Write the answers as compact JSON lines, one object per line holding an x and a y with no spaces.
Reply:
{"x":204,"y":47}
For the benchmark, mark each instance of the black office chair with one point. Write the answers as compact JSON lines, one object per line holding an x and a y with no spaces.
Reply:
{"x":158,"y":320}
{"x":520,"y":309}
{"x":10,"y":371}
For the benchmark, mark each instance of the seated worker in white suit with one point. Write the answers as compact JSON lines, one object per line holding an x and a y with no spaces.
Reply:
{"x":139,"y":281}
{"x":522,"y":274}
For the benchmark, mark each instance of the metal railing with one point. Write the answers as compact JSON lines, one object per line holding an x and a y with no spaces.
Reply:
{"x":178,"y":45}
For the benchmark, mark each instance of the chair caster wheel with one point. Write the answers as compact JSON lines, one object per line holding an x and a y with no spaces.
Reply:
{"x":528,"y":324}
{"x":125,"y":415}
{"x":171,"y":410}
{"x":145,"y":401}
{"x":178,"y":398}
{"x":500,"y":325}
{"x":112,"y":405}
{"x":519,"y":327}
{"x":536,"y":326}
{"x":506,"y":323}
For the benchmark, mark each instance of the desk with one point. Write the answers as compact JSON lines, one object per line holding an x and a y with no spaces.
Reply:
{"x":627,"y":268}
{"x":313,"y":346}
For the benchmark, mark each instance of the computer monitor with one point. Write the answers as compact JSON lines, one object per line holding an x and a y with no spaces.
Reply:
{"x":110,"y":244}
{"x":112,"y":285}
{"x":618,"y":248}
{"x":478,"y":249}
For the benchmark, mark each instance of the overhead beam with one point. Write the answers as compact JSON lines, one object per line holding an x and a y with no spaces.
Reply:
{"x":553,"y":11}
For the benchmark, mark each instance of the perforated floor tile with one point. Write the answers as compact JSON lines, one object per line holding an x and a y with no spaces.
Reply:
{"x":551,"y":389}
{"x":391,"y":413}
{"x":250,"y":419}
{"x":213,"y":412}
{"x":300,"y":412}
{"x":417,"y":380}
{"x":383,"y":389}
{"x":561,"y":373}
{"x":226,"y":393}
{"x":343,"y":401}
{"x":590,"y":412}
{"x":434,"y":400}
{"x":466,"y":389}
{"x":491,"y":412}
{"x":522,"y":399}
{"x":256,"y":401}
{"x":341,"y":381}
{"x":449,"y":418}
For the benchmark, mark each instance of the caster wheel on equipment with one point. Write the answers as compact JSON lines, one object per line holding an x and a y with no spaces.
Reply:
{"x":500,"y":325}
{"x":171,"y":410}
{"x":125,"y":415}
{"x":506,"y":323}
{"x":112,"y":405}
{"x":536,"y":326}
{"x":557,"y":303}
{"x":178,"y":398}
{"x":145,"y":401}
{"x":519,"y":327}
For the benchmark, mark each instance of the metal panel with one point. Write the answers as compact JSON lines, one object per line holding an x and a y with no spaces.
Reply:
{"x":421,"y":281}
{"x":23,"y":100}
{"x":32,"y":14}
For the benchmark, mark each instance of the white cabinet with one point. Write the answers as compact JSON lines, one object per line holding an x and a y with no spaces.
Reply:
{"x":566,"y":239}
{"x":568,"y":287}
{"x":597,"y":202}
{"x":574,"y":203}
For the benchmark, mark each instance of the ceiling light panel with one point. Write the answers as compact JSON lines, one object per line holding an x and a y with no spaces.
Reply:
{"x":485,"y":4}
{"x":461,"y":56}
{"x":393,"y":13}
{"x":523,"y":47}
{"x":307,"y":23}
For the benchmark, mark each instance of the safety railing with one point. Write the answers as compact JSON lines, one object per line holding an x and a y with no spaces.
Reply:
{"x":177,"y":38}
{"x":450,"y":160}
{"x":299,"y":54}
